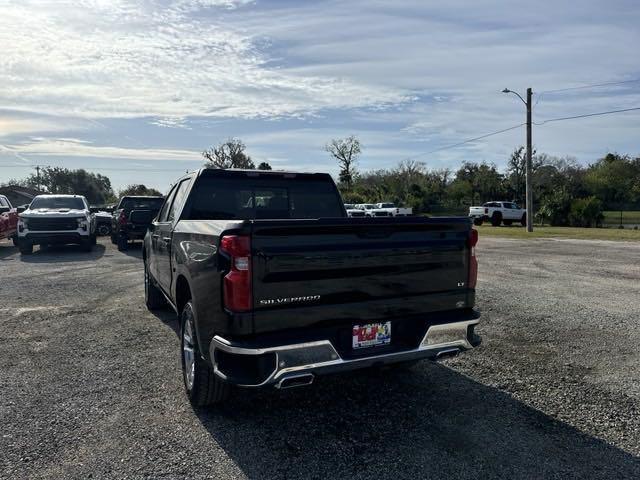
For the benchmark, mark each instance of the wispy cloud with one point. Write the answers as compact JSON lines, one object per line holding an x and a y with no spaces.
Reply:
{"x":171,"y":77}
{"x":73,"y":147}
{"x":120,"y":59}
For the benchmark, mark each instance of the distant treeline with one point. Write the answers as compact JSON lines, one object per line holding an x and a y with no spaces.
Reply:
{"x":564,"y":192}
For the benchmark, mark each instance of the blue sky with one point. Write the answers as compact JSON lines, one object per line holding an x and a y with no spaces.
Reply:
{"x":136,"y":90}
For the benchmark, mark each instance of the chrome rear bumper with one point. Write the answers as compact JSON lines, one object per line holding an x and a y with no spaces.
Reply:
{"x":320,"y":357}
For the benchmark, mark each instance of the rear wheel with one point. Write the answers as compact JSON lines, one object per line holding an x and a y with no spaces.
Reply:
{"x":202,"y":385}
{"x":15,"y":240}
{"x":496,"y":219}
{"x":523,"y":220}
{"x":123,"y":243}
{"x":477,"y":221}
{"x":153,"y":297}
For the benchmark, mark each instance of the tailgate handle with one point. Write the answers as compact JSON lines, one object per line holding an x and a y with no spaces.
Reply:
{"x":375,"y":234}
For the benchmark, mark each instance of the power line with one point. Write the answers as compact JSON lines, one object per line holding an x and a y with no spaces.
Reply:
{"x":587,"y":115}
{"x":454,"y":145}
{"x":584,"y":87}
{"x":594,"y":85}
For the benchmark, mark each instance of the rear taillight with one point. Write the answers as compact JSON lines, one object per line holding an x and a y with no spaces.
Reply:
{"x":472,"y":241}
{"x":122,"y":219}
{"x":237,"y":283}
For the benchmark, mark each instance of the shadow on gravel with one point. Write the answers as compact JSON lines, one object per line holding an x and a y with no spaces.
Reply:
{"x":7,"y":249}
{"x":168,"y":317}
{"x":134,"y":250}
{"x":425,"y":422}
{"x":63,"y":253}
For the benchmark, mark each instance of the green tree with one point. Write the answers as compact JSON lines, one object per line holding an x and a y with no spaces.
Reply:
{"x":264,"y":166}
{"x":229,"y":154}
{"x":555,"y":208}
{"x":614,"y":179}
{"x":485,"y":182}
{"x":95,"y":187}
{"x":139,"y":190}
{"x":346,"y":151}
{"x":586,"y":212}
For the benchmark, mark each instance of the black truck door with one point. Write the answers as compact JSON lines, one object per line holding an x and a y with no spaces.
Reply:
{"x":164,"y":236}
{"x":156,"y":231}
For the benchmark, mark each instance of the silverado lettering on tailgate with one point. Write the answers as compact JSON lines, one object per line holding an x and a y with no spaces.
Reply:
{"x":282,"y":301}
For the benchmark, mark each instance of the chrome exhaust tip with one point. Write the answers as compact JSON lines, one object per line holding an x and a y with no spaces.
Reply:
{"x":293,"y":381}
{"x":450,"y":352}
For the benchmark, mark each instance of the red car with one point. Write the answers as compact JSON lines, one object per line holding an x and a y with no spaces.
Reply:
{"x":8,"y":220}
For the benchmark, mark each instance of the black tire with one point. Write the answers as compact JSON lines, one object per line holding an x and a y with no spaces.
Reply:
{"x":123,"y":243}
{"x":204,"y":388}
{"x":523,"y":220}
{"x":15,"y":241}
{"x":477,"y":221}
{"x":114,"y":239}
{"x":103,"y":229}
{"x":26,"y":248}
{"x":496,"y":219}
{"x":508,"y":222}
{"x":86,"y":245}
{"x":153,"y":298}
{"x":94,"y":239}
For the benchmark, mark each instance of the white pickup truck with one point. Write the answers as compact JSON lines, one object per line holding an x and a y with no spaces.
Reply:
{"x":56,"y":219}
{"x":371,"y":210}
{"x":497,"y":213}
{"x":352,"y":211}
{"x":393,"y":210}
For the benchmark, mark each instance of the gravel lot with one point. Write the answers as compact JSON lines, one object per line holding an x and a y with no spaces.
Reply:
{"x":91,"y":387}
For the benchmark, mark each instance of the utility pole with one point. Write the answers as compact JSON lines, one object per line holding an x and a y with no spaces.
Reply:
{"x":38,"y":175}
{"x":529,"y":191}
{"x":528,"y":166}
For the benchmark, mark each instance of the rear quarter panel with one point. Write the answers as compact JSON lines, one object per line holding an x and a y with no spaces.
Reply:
{"x":195,"y":259}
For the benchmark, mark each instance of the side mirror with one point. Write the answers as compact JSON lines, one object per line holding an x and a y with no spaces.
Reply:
{"x":5,"y":209}
{"x":21,"y":208}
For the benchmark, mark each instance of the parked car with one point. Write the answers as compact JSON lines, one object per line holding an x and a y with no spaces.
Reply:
{"x":56,"y":219}
{"x":103,"y":223}
{"x":497,"y":213}
{"x":352,"y":211}
{"x":8,"y":220}
{"x":279,"y":291}
{"x":371,"y":210}
{"x":393,"y":210}
{"x":132,"y":217}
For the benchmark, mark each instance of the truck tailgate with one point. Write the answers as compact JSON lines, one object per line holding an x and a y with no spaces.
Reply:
{"x":332,"y":271}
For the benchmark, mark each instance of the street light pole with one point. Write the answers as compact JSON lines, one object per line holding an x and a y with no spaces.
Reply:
{"x":529,"y":189}
{"x":528,"y":163}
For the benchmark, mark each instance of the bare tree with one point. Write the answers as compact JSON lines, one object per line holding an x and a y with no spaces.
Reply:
{"x":346,"y":152}
{"x":229,"y":154}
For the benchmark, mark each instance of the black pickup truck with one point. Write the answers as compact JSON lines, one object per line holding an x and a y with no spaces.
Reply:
{"x":131,"y":218}
{"x":275,"y":285}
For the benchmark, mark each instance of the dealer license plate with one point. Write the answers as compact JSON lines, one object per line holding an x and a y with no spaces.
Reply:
{"x":371,"y":335}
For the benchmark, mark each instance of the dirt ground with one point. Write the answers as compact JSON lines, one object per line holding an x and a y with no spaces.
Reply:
{"x":91,"y":386}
